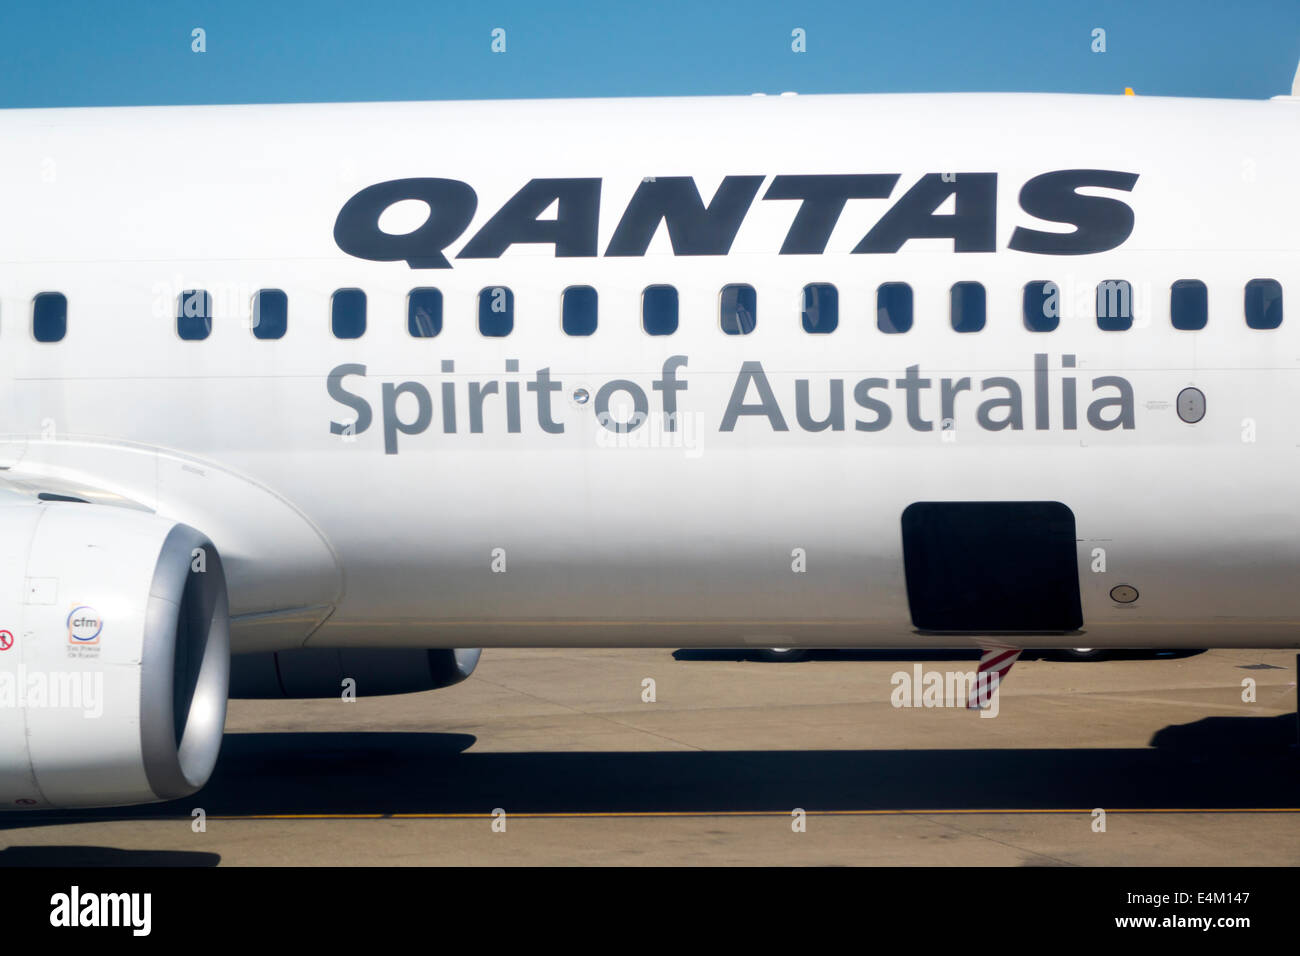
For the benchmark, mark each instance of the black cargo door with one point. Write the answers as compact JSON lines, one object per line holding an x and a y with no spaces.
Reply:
{"x":991,"y":566}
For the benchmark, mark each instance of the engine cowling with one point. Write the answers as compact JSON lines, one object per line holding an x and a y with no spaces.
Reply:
{"x":114,"y":656}
{"x":321,"y":671}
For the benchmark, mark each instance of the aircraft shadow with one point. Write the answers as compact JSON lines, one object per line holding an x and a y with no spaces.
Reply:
{"x":84,"y":856}
{"x":1214,"y":763}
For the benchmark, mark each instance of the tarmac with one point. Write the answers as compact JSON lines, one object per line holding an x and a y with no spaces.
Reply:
{"x":569,"y":757}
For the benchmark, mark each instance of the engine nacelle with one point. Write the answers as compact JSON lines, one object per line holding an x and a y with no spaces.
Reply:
{"x":321,"y":671}
{"x":114,"y":656}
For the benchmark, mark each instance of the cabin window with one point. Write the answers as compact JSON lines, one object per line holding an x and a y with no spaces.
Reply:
{"x":348,"y":314}
{"x":1042,"y":306}
{"x":49,"y":317}
{"x":894,"y":307}
{"x":659,"y":310}
{"x":1188,"y":305}
{"x":1114,"y":305}
{"x":738,"y":309}
{"x":821,"y":308}
{"x":967,"y":307}
{"x":194,"y":315}
{"x":496,"y":311}
{"x":270,"y":314}
{"x":424,"y":313}
{"x":578,"y":310}
{"x":1263,"y":303}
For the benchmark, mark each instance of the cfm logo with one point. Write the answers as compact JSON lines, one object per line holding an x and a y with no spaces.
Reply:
{"x":84,"y":625}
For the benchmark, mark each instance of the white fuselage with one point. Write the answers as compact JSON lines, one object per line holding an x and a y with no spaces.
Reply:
{"x":655,"y":538}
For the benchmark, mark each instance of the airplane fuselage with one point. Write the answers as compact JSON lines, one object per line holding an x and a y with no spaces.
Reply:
{"x":696,"y":488}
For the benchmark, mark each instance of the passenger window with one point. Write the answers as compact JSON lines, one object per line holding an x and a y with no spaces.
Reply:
{"x":424,"y":313}
{"x":194,"y":315}
{"x":496,"y":311}
{"x":348,"y":314}
{"x":1188,"y":306}
{"x":738,"y":309}
{"x":659,"y":310}
{"x":967,"y":307}
{"x":894,"y":307}
{"x":1042,"y":306}
{"x":1263,"y":303}
{"x":270,"y":314}
{"x":578,"y":310}
{"x":1114,"y":305}
{"x":821,"y":307}
{"x":49,"y":317}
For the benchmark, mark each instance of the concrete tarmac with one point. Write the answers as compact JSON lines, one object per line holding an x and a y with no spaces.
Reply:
{"x":580,"y":769}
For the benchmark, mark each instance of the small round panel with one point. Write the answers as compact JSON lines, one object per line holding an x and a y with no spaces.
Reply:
{"x":1191,"y":405}
{"x":1123,"y":594}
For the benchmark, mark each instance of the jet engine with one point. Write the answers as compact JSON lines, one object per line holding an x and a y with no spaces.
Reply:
{"x":114,"y":656}
{"x":327,"y":671}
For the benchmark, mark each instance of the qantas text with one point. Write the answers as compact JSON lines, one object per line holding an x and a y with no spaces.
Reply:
{"x":699,"y":229}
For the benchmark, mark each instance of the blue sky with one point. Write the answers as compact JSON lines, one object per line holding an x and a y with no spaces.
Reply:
{"x":127,"y":53}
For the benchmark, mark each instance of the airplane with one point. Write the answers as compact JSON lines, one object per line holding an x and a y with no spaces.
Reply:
{"x":302,"y":400}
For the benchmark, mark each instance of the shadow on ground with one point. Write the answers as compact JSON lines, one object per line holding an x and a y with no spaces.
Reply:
{"x":82,"y":856}
{"x":1215,"y":763}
